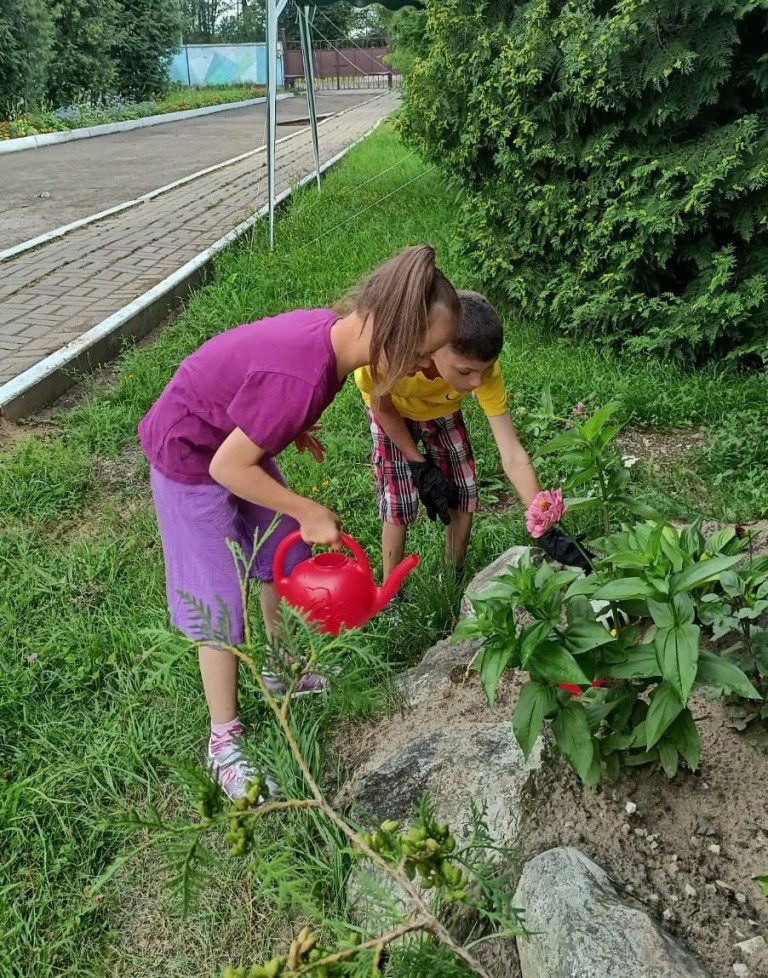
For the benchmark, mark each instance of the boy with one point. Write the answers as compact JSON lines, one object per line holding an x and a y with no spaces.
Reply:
{"x":426,"y":407}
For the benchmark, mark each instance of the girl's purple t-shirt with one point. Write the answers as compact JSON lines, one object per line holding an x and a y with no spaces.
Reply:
{"x":272,"y":379}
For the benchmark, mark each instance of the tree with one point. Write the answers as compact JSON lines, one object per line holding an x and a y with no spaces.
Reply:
{"x":82,"y":63}
{"x":615,"y":162}
{"x":200,"y":19}
{"x":25,"y":48}
{"x":149,"y":33}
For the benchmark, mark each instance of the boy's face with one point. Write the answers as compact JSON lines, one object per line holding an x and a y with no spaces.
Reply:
{"x":461,"y":372}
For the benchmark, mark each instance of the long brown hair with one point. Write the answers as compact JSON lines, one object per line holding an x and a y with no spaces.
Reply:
{"x":400,"y":295}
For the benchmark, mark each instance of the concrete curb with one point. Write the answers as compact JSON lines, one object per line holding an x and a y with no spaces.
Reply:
{"x":36,"y":387}
{"x":68,"y":135}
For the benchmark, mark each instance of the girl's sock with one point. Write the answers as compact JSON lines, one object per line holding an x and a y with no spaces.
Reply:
{"x":222,"y":734}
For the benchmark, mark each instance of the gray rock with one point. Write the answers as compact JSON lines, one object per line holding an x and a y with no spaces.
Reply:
{"x":445,"y":665}
{"x":478,"y":762}
{"x":754,"y":953}
{"x":584,"y":929}
{"x":479,"y":583}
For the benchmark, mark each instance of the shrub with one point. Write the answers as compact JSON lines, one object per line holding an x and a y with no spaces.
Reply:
{"x":25,"y":46}
{"x":149,"y":34}
{"x":614,"y":158}
{"x":85,"y":35}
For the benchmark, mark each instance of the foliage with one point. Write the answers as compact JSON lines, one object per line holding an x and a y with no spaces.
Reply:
{"x":149,"y":32}
{"x":630,"y":632}
{"x":614,"y":159}
{"x":84,"y":45}
{"x":116,"y":109}
{"x":25,"y":36}
{"x":421,"y":858}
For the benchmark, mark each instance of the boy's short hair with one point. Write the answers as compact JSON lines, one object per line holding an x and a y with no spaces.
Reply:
{"x":480,"y":335}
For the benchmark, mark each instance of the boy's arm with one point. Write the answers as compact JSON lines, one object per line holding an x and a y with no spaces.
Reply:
{"x":391,"y":421}
{"x":514,"y":459}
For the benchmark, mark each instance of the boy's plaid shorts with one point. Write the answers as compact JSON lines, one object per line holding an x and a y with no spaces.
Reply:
{"x":446,"y":443}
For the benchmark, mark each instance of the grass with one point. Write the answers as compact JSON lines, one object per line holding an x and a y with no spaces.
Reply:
{"x":116,"y":109}
{"x":100,"y":708}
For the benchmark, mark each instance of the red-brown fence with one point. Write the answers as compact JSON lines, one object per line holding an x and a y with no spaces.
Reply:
{"x":339,"y":66}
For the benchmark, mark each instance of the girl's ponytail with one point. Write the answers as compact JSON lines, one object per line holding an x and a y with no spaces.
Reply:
{"x":400,"y":296}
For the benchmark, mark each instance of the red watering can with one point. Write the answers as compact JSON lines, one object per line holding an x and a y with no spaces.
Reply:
{"x":335,"y":591}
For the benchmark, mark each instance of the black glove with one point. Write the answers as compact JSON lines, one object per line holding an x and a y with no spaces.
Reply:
{"x":563,"y":548}
{"x":432,"y":489}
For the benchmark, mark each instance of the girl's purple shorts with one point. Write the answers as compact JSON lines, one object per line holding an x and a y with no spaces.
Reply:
{"x":195,"y":522}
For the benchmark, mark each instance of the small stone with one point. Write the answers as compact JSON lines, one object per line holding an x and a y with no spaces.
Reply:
{"x":741,"y":970}
{"x":654,"y":845}
{"x":754,"y":946}
{"x":626,"y":829}
{"x":630,"y":808}
{"x":714,"y":849}
{"x":674,"y":857}
{"x":741,"y":898}
{"x":668,"y":914}
{"x":641,"y":833}
{"x":690,"y":891}
{"x":653,"y":897}
{"x":710,"y":889}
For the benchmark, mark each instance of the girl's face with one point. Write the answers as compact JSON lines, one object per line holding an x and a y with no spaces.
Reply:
{"x":441,"y":332}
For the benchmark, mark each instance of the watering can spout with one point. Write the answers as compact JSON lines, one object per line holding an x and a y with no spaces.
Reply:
{"x":391,"y":586}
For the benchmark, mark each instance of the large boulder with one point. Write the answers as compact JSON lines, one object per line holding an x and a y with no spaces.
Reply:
{"x":582,"y":928}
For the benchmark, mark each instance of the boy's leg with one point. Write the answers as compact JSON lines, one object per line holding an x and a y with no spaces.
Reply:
{"x":457,"y":537}
{"x":448,"y":445}
{"x":397,"y":497}
{"x":393,"y":537}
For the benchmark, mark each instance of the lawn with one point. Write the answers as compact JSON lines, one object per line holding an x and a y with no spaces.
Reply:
{"x":100,"y":709}
{"x":117,"y":109}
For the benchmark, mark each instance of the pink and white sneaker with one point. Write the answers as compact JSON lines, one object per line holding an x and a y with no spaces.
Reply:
{"x":234,"y":772}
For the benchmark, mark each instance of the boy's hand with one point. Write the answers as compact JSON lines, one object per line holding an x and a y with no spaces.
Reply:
{"x":567,"y":550}
{"x":432,"y":489}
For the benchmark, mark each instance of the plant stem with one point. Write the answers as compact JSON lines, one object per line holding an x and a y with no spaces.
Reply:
{"x":377,"y":942}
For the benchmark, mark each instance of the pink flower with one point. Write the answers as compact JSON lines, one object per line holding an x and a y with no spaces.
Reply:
{"x":579,"y":409}
{"x":545,"y":510}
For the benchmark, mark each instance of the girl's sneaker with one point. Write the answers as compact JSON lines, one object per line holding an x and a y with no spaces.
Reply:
{"x":308,"y":684}
{"x":234,"y":772}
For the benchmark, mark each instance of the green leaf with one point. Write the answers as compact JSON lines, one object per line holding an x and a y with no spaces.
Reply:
{"x":468,"y":628}
{"x":556,"y":581}
{"x":684,"y":735}
{"x":664,"y":709}
{"x":580,"y":502}
{"x":719,"y":540}
{"x":637,"y":508}
{"x":691,"y":539}
{"x":626,"y":589}
{"x":720,"y":673}
{"x":576,"y":743}
{"x":591,"y":428}
{"x":677,"y":649}
{"x":668,"y":757}
{"x":629,"y":560}
{"x":568,"y":439}
{"x":702,"y":572}
{"x":531,"y":637}
{"x":582,"y":586}
{"x":584,"y":636}
{"x":555,"y":663}
{"x":534,"y":704}
{"x":491,"y":663}
{"x":666,"y":614}
{"x":762,"y":882}
{"x":612,"y":767}
{"x":641,"y":663}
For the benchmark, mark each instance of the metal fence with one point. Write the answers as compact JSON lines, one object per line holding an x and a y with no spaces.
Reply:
{"x":339,"y":67}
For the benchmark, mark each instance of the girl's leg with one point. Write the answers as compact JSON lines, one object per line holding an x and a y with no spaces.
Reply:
{"x":218,"y":671}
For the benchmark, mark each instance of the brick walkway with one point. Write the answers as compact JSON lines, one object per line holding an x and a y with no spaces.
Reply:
{"x":51,"y":295}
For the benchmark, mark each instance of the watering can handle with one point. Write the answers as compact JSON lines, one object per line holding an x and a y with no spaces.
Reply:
{"x":287,"y":542}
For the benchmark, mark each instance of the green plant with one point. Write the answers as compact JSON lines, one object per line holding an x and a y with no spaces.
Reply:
{"x":417,"y":859}
{"x":25,"y":48}
{"x":613,"y":161}
{"x":631,"y":631}
{"x":149,"y":32}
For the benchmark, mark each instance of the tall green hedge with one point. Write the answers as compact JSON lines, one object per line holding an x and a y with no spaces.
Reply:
{"x":25,"y":44}
{"x":615,"y":161}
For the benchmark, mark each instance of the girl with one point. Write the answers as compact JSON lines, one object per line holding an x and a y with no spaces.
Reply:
{"x":212,"y":436}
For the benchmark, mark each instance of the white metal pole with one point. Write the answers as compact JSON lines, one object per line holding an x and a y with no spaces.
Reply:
{"x":306,"y":16}
{"x":271,"y":113}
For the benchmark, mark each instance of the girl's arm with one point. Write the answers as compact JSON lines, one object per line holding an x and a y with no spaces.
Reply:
{"x":391,"y":421}
{"x":514,"y":459}
{"x":236,"y":466}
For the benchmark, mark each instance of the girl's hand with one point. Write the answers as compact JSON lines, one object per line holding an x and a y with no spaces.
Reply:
{"x":321,"y":526}
{"x":306,"y":442}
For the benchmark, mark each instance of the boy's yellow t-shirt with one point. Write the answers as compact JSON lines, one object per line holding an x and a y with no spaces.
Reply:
{"x":422,"y":399}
